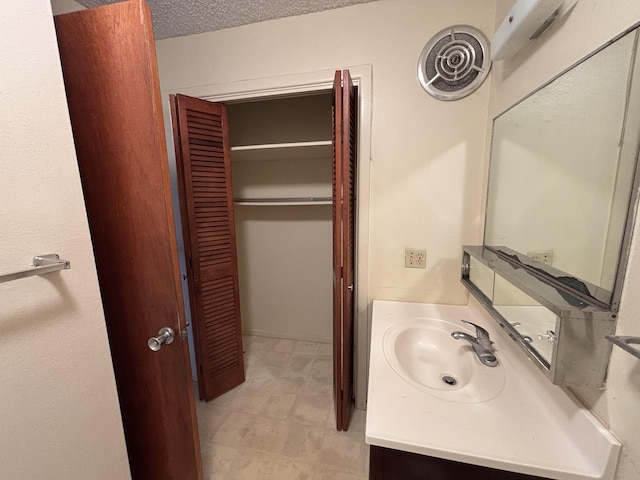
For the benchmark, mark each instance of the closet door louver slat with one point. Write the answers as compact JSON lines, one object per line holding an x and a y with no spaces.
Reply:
{"x":204,"y":178}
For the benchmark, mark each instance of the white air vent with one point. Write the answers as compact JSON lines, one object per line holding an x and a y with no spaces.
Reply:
{"x":454,"y":62}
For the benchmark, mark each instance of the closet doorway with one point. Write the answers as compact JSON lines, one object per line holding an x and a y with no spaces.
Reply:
{"x":278,"y":245}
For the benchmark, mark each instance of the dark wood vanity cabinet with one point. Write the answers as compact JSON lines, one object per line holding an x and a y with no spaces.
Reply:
{"x":389,"y":464}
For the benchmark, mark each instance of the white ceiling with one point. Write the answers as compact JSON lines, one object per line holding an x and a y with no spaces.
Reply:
{"x":175,"y":18}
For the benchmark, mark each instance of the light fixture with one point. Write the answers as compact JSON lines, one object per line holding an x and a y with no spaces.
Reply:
{"x":525,"y":21}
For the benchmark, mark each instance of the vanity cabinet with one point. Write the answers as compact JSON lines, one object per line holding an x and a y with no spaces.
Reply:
{"x":390,"y":464}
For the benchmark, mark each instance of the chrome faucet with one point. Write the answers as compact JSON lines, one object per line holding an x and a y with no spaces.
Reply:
{"x":481,"y":343}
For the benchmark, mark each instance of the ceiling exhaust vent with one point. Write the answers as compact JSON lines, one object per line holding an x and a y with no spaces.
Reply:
{"x":454,"y":62}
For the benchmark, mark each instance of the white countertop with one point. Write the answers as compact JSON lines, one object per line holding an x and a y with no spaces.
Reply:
{"x":531,"y":427}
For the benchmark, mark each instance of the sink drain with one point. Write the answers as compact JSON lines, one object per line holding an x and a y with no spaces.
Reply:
{"x":449,"y":380}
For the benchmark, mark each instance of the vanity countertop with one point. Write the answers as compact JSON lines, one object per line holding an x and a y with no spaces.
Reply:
{"x":531,"y":427}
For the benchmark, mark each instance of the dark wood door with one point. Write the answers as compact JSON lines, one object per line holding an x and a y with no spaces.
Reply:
{"x":344,"y":170}
{"x":110,"y":72}
{"x":201,"y":137}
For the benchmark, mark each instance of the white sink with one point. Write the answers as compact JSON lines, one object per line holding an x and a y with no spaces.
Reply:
{"x":422,"y":352}
{"x":508,"y":417}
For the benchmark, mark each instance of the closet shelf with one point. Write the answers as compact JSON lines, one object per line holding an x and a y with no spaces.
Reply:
{"x":283,"y":151}
{"x":281,"y":202}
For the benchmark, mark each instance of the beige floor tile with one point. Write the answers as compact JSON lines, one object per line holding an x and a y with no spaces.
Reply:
{"x":276,"y":359}
{"x":307,"y":348}
{"x":292,"y":382}
{"x":210,"y":418}
{"x":279,"y":405}
{"x":300,"y":363}
{"x":303,"y":443}
{"x":311,"y":410}
{"x":319,"y":386}
{"x":249,"y":399}
{"x":322,"y":367}
{"x":234,"y":429}
{"x":216,"y":459}
{"x":252,"y":465}
{"x":344,"y":453}
{"x":266,"y":435}
{"x":325,"y":349}
{"x":280,"y":423}
{"x":223,"y":400}
{"x":259,"y":375}
{"x":285,"y":346}
{"x":291,"y":470}
{"x":326,"y":473}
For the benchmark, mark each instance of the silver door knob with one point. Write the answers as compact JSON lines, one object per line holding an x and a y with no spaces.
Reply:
{"x":165,"y":335}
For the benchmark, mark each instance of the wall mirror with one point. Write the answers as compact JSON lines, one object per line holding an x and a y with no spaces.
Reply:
{"x":562,"y":174}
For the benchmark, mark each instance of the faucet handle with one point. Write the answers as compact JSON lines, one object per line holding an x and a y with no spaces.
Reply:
{"x":481,"y":333}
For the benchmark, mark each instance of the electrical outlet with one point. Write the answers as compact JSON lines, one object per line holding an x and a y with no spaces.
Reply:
{"x":545,"y":257}
{"x":415,"y":258}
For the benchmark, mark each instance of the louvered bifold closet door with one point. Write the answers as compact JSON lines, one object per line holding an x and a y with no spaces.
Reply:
{"x":344,"y":170}
{"x":206,"y":201}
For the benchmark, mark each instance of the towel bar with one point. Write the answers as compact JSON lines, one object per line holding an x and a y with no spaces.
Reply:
{"x":625,"y":343}
{"x":41,"y":264}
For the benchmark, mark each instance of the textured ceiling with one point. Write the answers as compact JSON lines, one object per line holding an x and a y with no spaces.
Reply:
{"x":175,"y":18}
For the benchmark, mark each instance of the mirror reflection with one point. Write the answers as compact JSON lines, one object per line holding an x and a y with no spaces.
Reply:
{"x":535,"y":323}
{"x":562,"y":169}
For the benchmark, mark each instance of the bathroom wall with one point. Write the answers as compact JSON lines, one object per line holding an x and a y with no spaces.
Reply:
{"x":590,"y":24}
{"x":58,"y":401}
{"x":426,"y":155}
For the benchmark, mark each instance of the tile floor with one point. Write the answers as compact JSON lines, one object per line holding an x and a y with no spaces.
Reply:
{"x":280,"y":423}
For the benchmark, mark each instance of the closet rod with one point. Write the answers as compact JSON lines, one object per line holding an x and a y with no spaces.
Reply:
{"x":284,"y":201}
{"x":41,"y":264}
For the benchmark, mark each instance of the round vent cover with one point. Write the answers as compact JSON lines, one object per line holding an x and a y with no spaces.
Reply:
{"x":454,"y":62}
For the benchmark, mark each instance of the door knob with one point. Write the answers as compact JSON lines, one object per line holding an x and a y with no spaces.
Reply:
{"x":165,"y":335}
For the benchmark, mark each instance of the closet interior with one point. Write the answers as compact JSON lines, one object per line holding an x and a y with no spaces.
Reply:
{"x":281,"y":161}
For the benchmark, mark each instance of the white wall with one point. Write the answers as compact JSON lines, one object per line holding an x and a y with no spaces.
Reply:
{"x":58,"y":403}
{"x":589,"y":25}
{"x":426,"y":155}
{"x":285,"y":258}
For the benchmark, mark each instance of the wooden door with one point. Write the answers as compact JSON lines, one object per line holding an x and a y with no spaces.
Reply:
{"x":344,"y":170}
{"x":110,"y":72}
{"x":201,"y":137}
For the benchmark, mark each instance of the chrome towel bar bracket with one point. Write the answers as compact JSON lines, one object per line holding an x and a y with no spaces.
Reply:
{"x":625,"y":343}
{"x":41,"y":264}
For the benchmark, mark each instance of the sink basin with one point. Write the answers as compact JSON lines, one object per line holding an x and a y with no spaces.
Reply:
{"x":423,"y":353}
